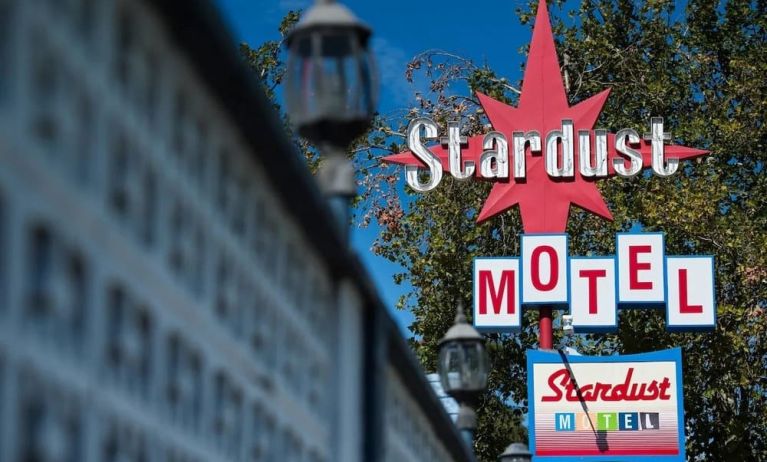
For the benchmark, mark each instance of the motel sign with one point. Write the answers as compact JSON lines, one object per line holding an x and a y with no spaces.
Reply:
{"x":639,"y":275}
{"x":614,"y":408}
{"x":545,"y":156}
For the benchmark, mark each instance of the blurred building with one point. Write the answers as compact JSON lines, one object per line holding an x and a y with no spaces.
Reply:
{"x":171,"y":284}
{"x":450,"y":404}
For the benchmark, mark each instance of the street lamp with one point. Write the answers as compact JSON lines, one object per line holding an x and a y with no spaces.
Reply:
{"x":463,"y":366}
{"x":516,"y":452}
{"x":331,"y":91}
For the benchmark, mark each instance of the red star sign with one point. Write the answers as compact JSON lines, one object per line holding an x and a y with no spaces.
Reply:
{"x":544,"y":202}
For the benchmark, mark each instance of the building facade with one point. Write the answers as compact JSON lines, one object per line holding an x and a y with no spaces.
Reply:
{"x":171,"y":284}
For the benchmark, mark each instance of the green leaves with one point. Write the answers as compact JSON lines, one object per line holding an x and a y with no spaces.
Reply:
{"x":266,"y":60}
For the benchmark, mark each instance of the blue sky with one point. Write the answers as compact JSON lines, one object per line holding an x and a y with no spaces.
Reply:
{"x":485,"y":31}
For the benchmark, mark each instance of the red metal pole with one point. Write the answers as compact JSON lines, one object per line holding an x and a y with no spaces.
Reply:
{"x":546,"y":334}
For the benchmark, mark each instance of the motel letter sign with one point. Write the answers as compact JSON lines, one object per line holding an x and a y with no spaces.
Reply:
{"x":592,"y":289}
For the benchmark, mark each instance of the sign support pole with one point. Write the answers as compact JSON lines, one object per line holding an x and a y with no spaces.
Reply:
{"x":546,"y":334}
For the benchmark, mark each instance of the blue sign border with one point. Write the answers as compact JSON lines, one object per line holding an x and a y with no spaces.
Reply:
{"x":549,"y":357}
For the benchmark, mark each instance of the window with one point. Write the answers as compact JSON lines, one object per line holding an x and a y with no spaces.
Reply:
{"x":135,"y":66}
{"x":179,"y":123}
{"x":224,"y":184}
{"x":199,"y":159}
{"x":292,"y":447}
{"x":148,"y":220}
{"x":228,"y":307}
{"x":199,"y":262}
{"x":174,"y":395}
{"x":59,"y":9}
{"x":45,"y":87}
{"x":322,"y":311}
{"x":128,"y":356}
{"x":176,"y":455}
{"x":85,"y":19}
{"x":237,"y":205}
{"x":126,"y":43}
{"x":187,"y":257}
{"x":5,"y":47}
{"x":230,"y":193}
{"x":49,"y":424}
{"x":133,"y":190}
{"x":262,"y":433}
{"x":287,"y":279}
{"x":312,"y":295}
{"x":56,"y":291}
{"x":148,"y":89}
{"x":123,"y":443}
{"x":317,"y":385}
{"x":183,"y":390}
{"x":41,"y":261}
{"x":261,"y":321}
{"x":269,"y":236}
{"x":259,"y":242}
{"x":75,"y":316}
{"x":179,"y":237}
{"x":293,"y":279}
{"x":227,"y":420}
{"x":291,"y":350}
{"x":121,"y":196}
{"x":278,"y":325}
{"x":315,"y":456}
{"x":83,"y":138}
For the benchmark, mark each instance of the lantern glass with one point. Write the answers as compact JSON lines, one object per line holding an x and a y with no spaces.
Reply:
{"x":463,"y":368}
{"x":330,"y":84}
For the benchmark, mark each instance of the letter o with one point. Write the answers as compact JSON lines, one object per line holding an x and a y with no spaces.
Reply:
{"x":553,"y":268}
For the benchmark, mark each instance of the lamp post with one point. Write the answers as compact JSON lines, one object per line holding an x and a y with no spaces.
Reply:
{"x":516,"y":452}
{"x":331,"y":91}
{"x":463,"y":366}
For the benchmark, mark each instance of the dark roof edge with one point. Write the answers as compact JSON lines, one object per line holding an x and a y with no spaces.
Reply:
{"x":203,"y":36}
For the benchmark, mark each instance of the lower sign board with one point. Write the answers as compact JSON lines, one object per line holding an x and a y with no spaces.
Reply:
{"x":600,"y":408}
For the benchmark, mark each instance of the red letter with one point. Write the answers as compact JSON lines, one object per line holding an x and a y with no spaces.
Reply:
{"x":635,"y":267}
{"x":684,"y":307}
{"x":553,"y":385}
{"x":535,"y":268}
{"x":664,"y":386}
{"x":592,"y":276}
{"x":486,"y":282}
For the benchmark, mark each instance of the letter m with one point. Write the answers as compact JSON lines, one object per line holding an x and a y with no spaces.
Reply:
{"x":564,"y":421}
{"x":487,"y":286}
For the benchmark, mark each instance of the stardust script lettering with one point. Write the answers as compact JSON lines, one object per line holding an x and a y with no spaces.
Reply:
{"x":559,"y":161}
{"x":562,"y":386}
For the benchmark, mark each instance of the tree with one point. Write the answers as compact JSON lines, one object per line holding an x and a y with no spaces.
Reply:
{"x":266,"y":60}
{"x":703,"y":69}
